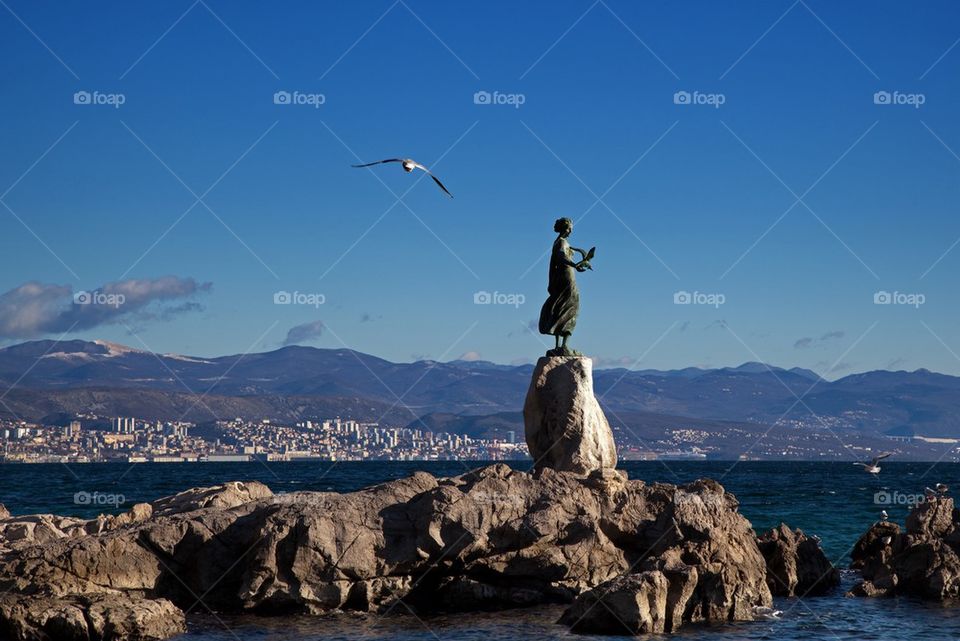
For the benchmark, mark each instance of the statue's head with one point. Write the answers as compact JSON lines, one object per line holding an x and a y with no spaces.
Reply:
{"x":563,"y":226}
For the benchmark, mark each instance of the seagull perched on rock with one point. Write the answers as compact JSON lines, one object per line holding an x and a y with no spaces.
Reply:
{"x":408,"y":164}
{"x":873,"y":466}
{"x":941,"y":489}
{"x":884,"y":516}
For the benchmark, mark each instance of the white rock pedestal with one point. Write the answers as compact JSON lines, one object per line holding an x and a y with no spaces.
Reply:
{"x":564,"y":426}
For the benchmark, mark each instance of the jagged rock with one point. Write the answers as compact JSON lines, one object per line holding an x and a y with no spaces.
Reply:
{"x":4,"y":512}
{"x":922,"y":561}
{"x":123,"y":617}
{"x":224,"y":496}
{"x":106,"y":522}
{"x":80,"y":618}
{"x":647,"y":602}
{"x":703,"y":565}
{"x":796,"y":566}
{"x":630,"y":604}
{"x":18,"y":532}
{"x":877,"y":540}
{"x":564,"y":425}
{"x":491,"y":538}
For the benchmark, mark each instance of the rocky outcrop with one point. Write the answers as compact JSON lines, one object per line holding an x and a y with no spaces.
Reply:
{"x":99,"y":617}
{"x":564,"y":424}
{"x":796,"y":566}
{"x":704,"y":566}
{"x":222,"y":497}
{"x":644,"y":602}
{"x":921,"y":561}
{"x":658,"y":555}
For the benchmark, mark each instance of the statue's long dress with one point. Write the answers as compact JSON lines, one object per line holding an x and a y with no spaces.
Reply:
{"x":558,"y":315}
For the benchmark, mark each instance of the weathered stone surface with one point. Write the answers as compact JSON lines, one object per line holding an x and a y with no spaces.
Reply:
{"x":102,"y":617}
{"x":629,"y":604}
{"x":702,"y":565}
{"x":491,"y":538}
{"x":646,"y":602}
{"x":922,"y":561}
{"x":796,"y":566}
{"x":24,"y":531}
{"x":564,"y":424}
{"x":219,"y":496}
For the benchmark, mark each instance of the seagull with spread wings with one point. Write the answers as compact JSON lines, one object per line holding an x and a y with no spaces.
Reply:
{"x":873,"y":466}
{"x":409,"y":165}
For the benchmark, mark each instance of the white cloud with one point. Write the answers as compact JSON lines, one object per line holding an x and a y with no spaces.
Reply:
{"x":35,"y":309}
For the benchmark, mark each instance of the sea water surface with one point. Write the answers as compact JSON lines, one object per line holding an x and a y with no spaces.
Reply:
{"x":835,"y":501}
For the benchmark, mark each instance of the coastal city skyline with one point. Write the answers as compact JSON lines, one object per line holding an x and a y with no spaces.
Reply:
{"x":764,"y":206}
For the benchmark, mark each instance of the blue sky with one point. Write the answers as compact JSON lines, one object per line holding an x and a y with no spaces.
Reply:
{"x":796,"y":200}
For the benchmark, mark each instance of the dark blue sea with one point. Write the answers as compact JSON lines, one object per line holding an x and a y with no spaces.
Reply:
{"x":836,"y":501}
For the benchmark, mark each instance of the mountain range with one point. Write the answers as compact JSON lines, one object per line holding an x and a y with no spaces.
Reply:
{"x":49,"y":380}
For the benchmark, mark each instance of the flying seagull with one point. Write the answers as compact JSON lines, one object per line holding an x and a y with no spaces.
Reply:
{"x":941,"y":489}
{"x":873,"y":466}
{"x":409,"y":165}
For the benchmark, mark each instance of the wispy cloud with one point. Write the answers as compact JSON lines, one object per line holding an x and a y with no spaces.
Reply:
{"x":304,"y":333}
{"x":808,"y":341}
{"x":34,"y":309}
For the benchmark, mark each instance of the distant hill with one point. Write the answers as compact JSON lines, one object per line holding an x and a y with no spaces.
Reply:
{"x":51,"y":378}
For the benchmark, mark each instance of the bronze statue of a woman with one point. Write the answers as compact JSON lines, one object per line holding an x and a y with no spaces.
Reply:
{"x":558,"y":316}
